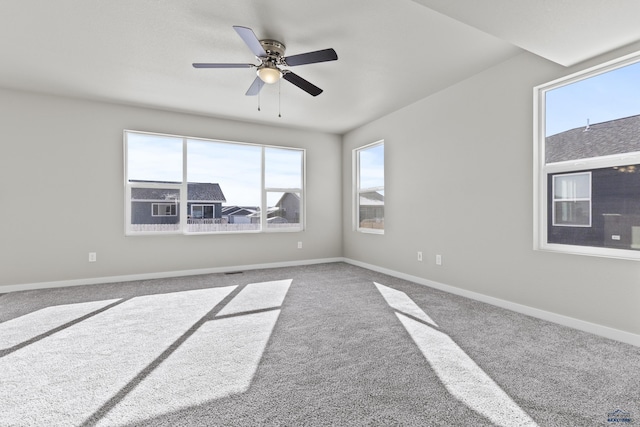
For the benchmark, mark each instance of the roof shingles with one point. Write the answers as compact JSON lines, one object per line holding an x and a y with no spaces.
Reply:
{"x":197,"y":192}
{"x":601,"y":139}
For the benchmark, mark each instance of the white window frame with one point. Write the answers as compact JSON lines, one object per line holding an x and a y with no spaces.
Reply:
{"x":183,"y":190}
{"x":542,"y":170}
{"x":357,"y":190}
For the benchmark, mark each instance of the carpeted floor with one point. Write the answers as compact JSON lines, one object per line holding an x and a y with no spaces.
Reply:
{"x":327,"y":345}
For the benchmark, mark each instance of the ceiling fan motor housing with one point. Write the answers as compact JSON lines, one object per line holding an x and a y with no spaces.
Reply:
{"x":274,"y":48}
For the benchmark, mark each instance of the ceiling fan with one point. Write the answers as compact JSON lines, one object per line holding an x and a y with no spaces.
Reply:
{"x":270,"y":53}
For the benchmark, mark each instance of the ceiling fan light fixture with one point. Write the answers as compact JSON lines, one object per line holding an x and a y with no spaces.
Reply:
{"x":269,"y":74}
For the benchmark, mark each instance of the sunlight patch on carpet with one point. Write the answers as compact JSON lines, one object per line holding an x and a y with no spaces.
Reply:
{"x":460,"y":375}
{"x":66,"y":377}
{"x":218,"y":360}
{"x":258,"y":296}
{"x":402,"y":303}
{"x":23,"y":328}
{"x":463,"y":378}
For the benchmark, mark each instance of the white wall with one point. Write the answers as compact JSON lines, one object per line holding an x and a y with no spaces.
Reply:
{"x":62,"y":194}
{"x":459,"y":181}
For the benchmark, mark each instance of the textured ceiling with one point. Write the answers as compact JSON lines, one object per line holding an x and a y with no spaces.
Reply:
{"x":391,"y":54}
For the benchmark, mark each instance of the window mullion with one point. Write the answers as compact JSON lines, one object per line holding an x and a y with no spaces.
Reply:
{"x":184,"y":190}
{"x":263,"y":198}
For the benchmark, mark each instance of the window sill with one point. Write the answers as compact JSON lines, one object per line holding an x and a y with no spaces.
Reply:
{"x":369,"y":231}
{"x":626,"y":254}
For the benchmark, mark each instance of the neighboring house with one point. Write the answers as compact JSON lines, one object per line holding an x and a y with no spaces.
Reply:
{"x":238,"y":214}
{"x":595,"y":207}
{"x":255,"y":217}
{"x":162,"y":206}
{"x":286,"y":211}
{"x":288,"y":208}
{"x":371,"y":209}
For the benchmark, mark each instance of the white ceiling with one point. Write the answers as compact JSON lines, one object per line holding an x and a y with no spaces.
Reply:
{"x":391,"y":53}
{"x":563,"y":31}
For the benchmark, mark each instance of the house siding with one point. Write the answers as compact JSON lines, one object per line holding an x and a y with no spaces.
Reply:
{"x":141,"y":213}
{"x":615,"y":209}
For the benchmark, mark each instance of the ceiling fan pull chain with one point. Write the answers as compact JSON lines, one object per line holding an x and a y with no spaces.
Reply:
{"x":258,"y":101}
{"x":279,"y":86}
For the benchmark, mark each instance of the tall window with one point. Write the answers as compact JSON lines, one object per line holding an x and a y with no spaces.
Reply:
{"x":178,"y":184}
{"x":369,"y":188}
{"x":587,"y":166}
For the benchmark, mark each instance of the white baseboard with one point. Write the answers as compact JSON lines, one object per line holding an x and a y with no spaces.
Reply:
{"x":161,"y":275}
{"x":603,"y":331}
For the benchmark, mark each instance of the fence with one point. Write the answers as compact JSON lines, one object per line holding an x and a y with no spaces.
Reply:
{"x":215,"y":226}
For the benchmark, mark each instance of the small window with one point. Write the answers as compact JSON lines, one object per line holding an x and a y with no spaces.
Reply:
{"x":572,"y":199}
{"x":587,"y":162}
{"x":202,"y":211}
{"x":163,"y":209}
{"x":369,"y":188}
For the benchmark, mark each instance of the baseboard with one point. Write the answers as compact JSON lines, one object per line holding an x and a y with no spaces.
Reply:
{"x":603,"y":331}
{"x":161,"y":275}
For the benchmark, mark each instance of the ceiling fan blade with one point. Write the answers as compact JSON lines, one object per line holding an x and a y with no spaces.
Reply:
{"x":251,"y":40}
{"x":311,"y":57}
{"x":206,"y":65}
{"x":255,"y":87}
{"x":302,"y":83}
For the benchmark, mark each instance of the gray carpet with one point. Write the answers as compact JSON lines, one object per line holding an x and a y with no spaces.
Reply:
{"x":328,"y":344}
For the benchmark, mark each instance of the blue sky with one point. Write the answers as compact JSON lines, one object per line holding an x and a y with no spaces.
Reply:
{"x":372,"y":167}
{"x":236,"y":167}
{"x":598,"y":99}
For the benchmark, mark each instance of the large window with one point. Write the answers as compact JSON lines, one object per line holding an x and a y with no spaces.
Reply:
{"x":369,"y":188}
{"x":587,"y":162}
{"x":178,"y":184}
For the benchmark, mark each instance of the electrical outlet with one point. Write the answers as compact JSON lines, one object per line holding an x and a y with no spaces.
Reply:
{"x":419,"y":256}
{"x":438,"y":259}
{"x":92,"y":257}
{"x":299,"y":245}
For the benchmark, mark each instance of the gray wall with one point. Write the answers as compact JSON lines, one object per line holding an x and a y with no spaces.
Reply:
{"x":62,"y":194}
{"x":459,"y":182}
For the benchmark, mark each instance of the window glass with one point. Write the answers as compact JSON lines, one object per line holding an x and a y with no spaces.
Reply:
{"x":588,"y":151}
{"x":221,"y":183}
{"x":572,"y":186}
{"x":228,"y":173}
{"x":369,"y":192}
{"x":164,"y":209}
{"x":284,"y":210}
{"x":372,"y":167}
{"x":283,"y":168}
{"x":154,"y":158}
{"x":154,"y":209}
